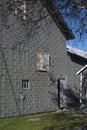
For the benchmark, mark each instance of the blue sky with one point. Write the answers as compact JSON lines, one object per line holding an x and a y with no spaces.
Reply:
{"x":76,"y":25}
{"x":78,"y":42}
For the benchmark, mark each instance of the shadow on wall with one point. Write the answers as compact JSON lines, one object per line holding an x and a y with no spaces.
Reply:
{"x":84,"y":87}
{"x":72,"y":98}
{"x":77,"y":59}
{"x":66,"y":97}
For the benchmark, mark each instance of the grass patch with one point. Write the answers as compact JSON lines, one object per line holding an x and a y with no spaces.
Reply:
{"x":46,"y":121}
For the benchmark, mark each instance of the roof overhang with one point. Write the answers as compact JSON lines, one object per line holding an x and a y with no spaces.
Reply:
{"x":77,"y":52}
{"x":56,"y":15}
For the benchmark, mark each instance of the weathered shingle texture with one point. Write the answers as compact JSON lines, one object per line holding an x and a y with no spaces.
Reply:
{"x":18,"y":46}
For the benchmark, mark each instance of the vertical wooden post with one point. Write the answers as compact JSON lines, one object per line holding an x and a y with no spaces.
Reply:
{"x":80,"y":88}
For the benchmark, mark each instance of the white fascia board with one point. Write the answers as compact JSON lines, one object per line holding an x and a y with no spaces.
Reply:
{"x":82,"y":69}
{"x":77,"y":51}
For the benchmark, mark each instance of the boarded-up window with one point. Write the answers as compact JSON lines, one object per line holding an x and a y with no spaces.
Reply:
{"x":42,"y":61}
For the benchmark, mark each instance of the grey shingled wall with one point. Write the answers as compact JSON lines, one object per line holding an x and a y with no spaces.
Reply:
{"x":17,"y":62}
{"x":74,"y":64}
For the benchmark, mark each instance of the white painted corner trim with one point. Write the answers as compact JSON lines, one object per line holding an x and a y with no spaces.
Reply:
{"x":82,"y":69}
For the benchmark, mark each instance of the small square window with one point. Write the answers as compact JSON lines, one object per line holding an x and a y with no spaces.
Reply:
{"x":20,"y":9}
{"x":25,"y":84}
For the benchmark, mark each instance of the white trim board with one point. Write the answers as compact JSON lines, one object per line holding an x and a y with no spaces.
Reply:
{"x":76,"y":51}
{"x":82,"y":69}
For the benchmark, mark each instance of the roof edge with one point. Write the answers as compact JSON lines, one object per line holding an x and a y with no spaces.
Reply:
{"x":76,"y":51}
{"x":59,"y":20}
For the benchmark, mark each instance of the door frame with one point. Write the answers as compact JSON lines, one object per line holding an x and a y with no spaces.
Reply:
{"x":58,"y":86}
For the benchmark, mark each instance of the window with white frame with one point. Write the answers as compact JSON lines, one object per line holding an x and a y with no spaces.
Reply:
{"x":25,"y":84}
